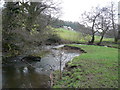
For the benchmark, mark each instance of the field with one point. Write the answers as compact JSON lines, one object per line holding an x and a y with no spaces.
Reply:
{"x":77,"y":37}
{"x":69,"y":35}
{"x":98,"y":68}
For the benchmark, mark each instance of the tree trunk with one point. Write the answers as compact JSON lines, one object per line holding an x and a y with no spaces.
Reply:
{"x":118,"y":36}
{"x":93,"y":33}
{"x":115,"y":39}
{"x":60,"y":70}
{"x":92,"y":40}
{"x":51,"y":79}
{"x":100,"y":40}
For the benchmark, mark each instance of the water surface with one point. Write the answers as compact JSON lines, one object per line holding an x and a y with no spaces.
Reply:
{"x":19,"y":74}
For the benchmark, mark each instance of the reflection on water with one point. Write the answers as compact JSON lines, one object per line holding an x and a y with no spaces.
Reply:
{"x":36,"y":75}
{"x":23,"y":77}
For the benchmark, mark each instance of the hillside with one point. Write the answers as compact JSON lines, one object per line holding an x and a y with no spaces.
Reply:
{"x":69,"y":36}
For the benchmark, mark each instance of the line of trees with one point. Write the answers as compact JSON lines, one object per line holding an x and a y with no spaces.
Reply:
{"x":57,"y":23}
{"x":103,"y":21}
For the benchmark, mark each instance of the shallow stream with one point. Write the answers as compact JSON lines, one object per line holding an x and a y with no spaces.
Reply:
{"x":35,"y":74}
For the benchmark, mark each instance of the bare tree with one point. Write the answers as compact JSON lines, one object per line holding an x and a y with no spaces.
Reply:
{"x":60,"y":57}
{"x":113,"y":17}
{"x":103,"y":23}
{"x":89,"y":20}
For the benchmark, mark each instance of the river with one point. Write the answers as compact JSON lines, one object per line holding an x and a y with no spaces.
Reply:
{"x":35,"y":74}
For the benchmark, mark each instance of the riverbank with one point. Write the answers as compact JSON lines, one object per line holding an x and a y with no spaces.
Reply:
{"x":24,"y":73}
{"x":98,"y":68}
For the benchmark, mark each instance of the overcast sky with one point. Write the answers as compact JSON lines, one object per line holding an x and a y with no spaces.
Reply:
{"x":72,"y":9}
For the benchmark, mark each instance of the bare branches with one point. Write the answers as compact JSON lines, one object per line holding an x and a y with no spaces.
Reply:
{"x":60,"y":57}
{"x":100,"y":20}
{"x":103,"y":23}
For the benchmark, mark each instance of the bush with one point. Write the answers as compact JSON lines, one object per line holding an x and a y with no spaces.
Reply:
{"x":53,"y":38}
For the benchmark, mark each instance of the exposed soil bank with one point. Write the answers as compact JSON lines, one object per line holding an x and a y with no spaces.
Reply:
{"x":73,"y":49}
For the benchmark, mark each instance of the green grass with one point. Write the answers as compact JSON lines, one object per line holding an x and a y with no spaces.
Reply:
{"x":98,"y":68}
{"x":97,"y":38}
{"x":71,"y":35}
{"x":77,"y":37}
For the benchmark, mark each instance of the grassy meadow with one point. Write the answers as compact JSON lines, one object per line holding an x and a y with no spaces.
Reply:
{"x":98,"y":68}
{"x":77,"y":37}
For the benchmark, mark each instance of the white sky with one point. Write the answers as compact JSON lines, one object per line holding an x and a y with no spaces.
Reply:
{"x":72,"y":9}
{"x":1,"y":3}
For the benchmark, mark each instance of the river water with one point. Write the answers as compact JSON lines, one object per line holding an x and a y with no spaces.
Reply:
{"x":35,"y":74}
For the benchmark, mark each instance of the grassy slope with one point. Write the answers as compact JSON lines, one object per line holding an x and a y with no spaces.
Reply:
{"x":73,"y":36}
{"x":98,"y":68}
